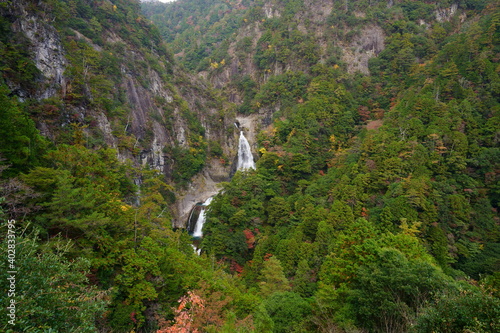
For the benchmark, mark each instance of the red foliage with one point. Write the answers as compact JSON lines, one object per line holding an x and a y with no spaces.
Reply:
{"x":236,"y":202}
{"x":364,"y":113}
{"x":50,"y":110}
{"x":250,"y":238}
{"x":235,"y":267}
{"x":374,"y":124}
{"x":393,"y":103}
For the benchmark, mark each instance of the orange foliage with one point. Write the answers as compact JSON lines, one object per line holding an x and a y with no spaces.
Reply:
{"x":200,"y":310}
{"x":184,"y":316}
{"x":235,"y":267}
{"x":250,"y":238}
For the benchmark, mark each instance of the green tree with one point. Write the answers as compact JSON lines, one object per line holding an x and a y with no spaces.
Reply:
{"x":139,"y":266}
{"x":21,"y":145}
{"x":52,"y":293}
{"x":303,"y":281}
{"x":340,"y":216}
{"x":387,"y":294}
{"x":263,"y":322}
{"x":466,"y":308}
{"x":278,"y":210}
{"x":273,"y":278}
{"x":287,"y":310}
{"x":353,"y":248}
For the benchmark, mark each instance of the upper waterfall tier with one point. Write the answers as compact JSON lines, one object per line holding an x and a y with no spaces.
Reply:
{"x":245,"y":157}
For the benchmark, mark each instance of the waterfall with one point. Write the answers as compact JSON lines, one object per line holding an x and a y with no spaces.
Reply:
{"x":245,"y":162}
{"x":197,"y":233}
{"x":245,"y":158}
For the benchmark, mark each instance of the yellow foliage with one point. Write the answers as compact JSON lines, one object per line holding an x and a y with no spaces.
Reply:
{"x":429,"y":81}
{"x":410,"y":230}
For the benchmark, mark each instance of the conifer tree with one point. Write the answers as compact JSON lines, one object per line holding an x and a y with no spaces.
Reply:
{"x":273,"y":278}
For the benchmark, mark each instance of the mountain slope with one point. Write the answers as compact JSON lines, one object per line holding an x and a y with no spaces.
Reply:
{"x":373,"y":206}
{"x":101,"y":70}
{"x":101,"y":134}
{"x":377,"y":116}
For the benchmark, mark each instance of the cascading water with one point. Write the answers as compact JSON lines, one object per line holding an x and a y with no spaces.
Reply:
{"x":245,"y":157}
{"x":198,"y":233}
{"x":245,"y":162}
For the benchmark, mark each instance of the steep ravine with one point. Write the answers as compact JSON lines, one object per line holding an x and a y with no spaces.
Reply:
{"x":206,"y":184}
{"x":156,"y":100}
{"x":355,"y":46}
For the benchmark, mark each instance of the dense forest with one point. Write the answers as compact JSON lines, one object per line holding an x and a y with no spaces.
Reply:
{"x":373,"y":206}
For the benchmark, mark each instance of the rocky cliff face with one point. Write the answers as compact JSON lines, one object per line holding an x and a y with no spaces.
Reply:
{"x":261,"y":40}
{"x":311,"y":21}
{"x":156,"y":102}
{"x":357,"y":52}
{"x":45,"y":45}
{"x":294,"y":38}
{"x":147,"y":105}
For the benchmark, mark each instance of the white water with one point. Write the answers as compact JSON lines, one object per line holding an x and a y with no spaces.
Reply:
{"x":245,"y":157}
{"x":196,"y":250}
{"x":245,"y":162}
{"x":198,"y":233}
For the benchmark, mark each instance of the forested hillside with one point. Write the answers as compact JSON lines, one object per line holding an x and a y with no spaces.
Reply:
{"x":373,"y":206}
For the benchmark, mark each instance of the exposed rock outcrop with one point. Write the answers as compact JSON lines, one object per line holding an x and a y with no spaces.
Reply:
{"x":203,"y":186}
{"x":155,"y":104}
{"x":367,"y":45}
{"x":46,"y":47}
{"x":445,"y":14}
